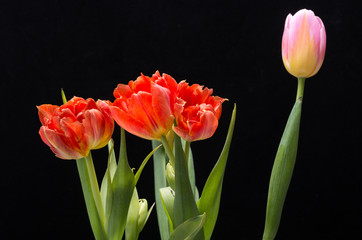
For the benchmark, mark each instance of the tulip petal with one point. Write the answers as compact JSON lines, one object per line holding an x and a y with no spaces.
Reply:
{"x":122,"y":90}
{"x":58,"y":144}
{"x":46,"y":111}
{"x":206,"y":127}
{"x":94,"y":126}
{"x":161,"y":106}
{"x":130,"y":123}
{"x":140,"y":106}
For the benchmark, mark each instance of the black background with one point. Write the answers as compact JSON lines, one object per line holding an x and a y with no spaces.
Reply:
{"x":234,"y":47}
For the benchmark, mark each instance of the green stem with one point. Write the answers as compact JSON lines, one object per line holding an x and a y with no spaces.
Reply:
{"x":300,"y":90}
{"x":95,"y":186}
{"x":159,"y":163}
{"x":282,"y":172}
{"x":92,"y":196}
{"x":187,"y":152}
{"x":168,"y":151}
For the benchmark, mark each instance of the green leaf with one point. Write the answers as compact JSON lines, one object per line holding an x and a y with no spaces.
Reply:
{"x":138,"y":173}
{"x":184,"y":205}
{"x":190,"y":167}
{"x":112,"y":163}
{"x":282,"y":172}
{"x":209,"y":201}
{"x":63,"y":96}
{"x":168,"y":198}
{"x":159,"y":166}
{"x":92,"y":197}
{"x":123,"y":185}
{"x":189,"y":229}
{"x":106,"y":186}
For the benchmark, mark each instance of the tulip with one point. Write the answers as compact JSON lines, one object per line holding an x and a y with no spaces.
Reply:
{"x":76,"y":127}
{"x":146,"y":107}
{"x":303,"y":44}
{"x":201,"y":112}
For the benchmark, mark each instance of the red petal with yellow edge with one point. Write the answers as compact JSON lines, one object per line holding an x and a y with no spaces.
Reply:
{"x":59,"y":144}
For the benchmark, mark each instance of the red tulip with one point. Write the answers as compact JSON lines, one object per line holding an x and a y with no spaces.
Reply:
{"x":146,"y":107}
{"x":201,"y":112}
{"x":76,"y":127}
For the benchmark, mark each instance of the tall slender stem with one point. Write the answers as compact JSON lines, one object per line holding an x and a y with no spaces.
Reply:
{"x":300,"y":90}
{"x":187,"y":153}
{"x":92,"y":196}
{"x":168,"y":151}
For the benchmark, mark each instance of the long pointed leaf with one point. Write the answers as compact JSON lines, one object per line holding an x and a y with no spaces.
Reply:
{"x":282,"y":172}
{"x":139,"y":171}
{"x":191,"y":168}
{"x":189,"y":229}
{"x":210,"y":198}
{"x":184,"y":205}
{"x":159,"y":166}
{"x":106,"y":187}
{"x":122,"y":186}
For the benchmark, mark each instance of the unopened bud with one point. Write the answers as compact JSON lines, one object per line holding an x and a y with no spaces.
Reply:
{"x":142,"y":214}
{"x":170,"y":175}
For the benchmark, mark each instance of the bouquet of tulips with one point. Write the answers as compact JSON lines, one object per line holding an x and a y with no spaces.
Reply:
{"x":171,"y":115}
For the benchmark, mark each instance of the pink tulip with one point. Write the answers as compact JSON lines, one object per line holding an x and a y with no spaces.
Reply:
{"x":303,"y":44}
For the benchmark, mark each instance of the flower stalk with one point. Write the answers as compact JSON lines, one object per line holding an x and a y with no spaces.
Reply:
{"x":300,"y":90}
{"x":92,"y":196}
{"x":168,"y":151}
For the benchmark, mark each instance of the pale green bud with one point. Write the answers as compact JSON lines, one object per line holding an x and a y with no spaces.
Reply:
{"x":142,"y":214}
{"x":170,"y":175}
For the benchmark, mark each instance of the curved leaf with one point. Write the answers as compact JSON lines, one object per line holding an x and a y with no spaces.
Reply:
{"x":209,"y":201}
{"x":139,"y":171}
{"x":282,"y":172}
{"x":184,"y":206}
{"x":189,"y":229}
{"x":122,"y":187}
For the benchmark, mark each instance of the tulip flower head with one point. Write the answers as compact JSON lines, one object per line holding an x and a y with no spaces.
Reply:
{"x":303,"y":44}
{"x":145,"y":107}
{"x":76,"y":127}
{"x":201,"y":112}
